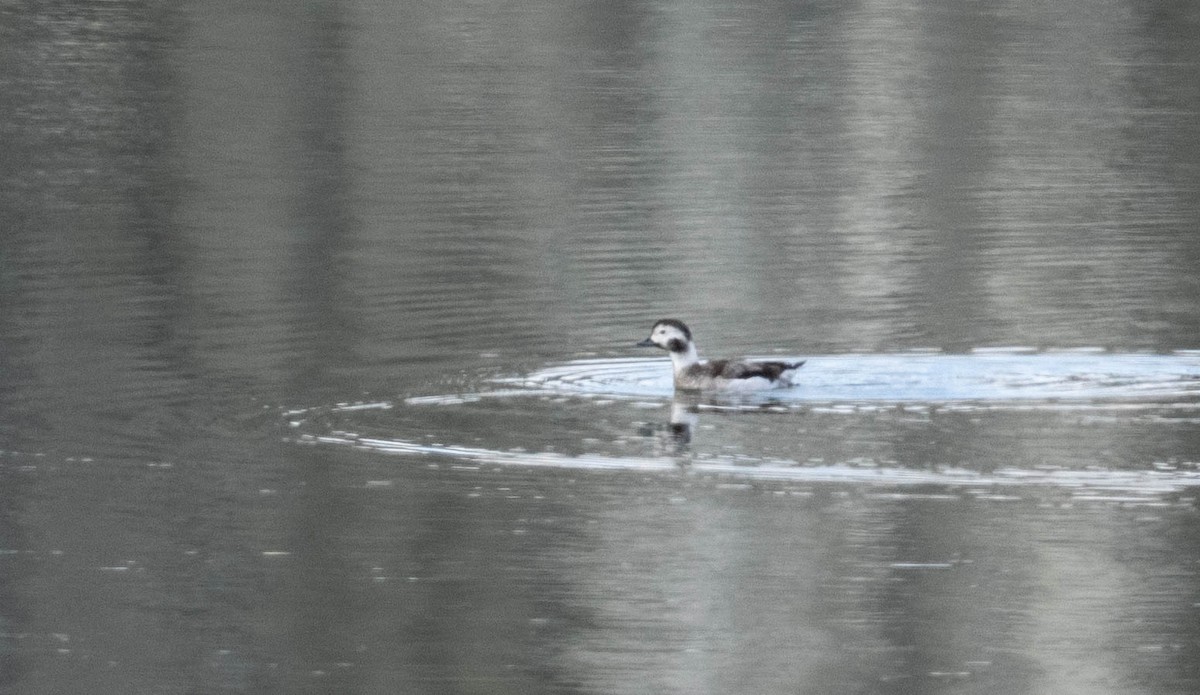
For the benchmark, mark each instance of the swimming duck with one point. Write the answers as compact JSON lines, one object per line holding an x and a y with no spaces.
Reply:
{"x":692,"y":374}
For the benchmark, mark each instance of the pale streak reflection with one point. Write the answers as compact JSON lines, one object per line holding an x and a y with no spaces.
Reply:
{"x":679,"y":597}
{"x":1078,"y":616}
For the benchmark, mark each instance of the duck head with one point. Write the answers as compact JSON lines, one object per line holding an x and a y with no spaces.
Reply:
{"x":671,"y":335}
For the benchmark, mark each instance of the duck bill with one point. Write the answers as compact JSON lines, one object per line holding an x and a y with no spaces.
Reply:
{"x":646,"y":343}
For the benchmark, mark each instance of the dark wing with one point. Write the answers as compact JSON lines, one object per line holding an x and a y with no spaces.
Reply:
{"x":746,"y":370}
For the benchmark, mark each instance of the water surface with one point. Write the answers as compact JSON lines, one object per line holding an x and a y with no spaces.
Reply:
{"x":316,"y":364}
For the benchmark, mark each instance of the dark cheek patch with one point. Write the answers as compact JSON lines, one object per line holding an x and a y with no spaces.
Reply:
{"x":676,"y":345}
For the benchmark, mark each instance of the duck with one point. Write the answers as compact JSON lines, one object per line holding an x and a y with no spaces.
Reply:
{"x":694,"y":374}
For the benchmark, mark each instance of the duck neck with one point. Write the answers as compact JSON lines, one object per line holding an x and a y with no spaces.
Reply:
{"x":680,"y":361}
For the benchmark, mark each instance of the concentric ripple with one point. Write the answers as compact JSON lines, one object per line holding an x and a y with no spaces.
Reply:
{"x":986,"y":375}
{"x":1117,"y":426}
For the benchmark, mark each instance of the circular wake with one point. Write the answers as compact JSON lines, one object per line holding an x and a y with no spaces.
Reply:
{"x":1114,"y":425}
{"x":987,"y":376}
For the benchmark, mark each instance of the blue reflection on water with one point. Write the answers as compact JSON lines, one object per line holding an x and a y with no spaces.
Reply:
{"x":985,"y":375}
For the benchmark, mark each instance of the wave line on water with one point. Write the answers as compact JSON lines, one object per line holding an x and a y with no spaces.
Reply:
{"x":1089,"y":483}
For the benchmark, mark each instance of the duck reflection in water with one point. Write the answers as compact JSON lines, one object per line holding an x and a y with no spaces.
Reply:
{"x":675,"y":436}
{"x":684,"y":417}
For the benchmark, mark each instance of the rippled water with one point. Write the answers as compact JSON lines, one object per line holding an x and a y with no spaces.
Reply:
{"x":317,"y":367}
{"x":1070,"y":409}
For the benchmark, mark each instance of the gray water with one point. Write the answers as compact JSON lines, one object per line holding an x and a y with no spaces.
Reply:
{"x":317,"y":368}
